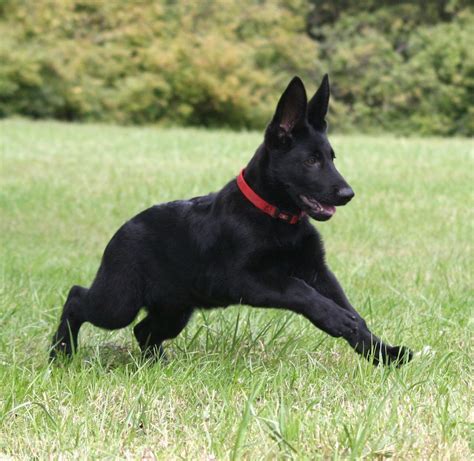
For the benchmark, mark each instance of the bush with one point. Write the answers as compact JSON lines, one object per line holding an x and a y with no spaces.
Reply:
{"x":398,"y":69}
{"x":206,"y":63}
{"x":401,"y":67}
{"x":441,"y":79}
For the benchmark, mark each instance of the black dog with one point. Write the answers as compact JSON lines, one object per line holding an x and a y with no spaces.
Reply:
{"x":249,"y":243}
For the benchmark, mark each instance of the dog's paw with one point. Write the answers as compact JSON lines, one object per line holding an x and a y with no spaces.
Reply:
{"x":154,"y":354}
{"x":398,"y":355}
{"x":344,"y":324}
{"x":381,"y":354}
{"x":60,"y":348}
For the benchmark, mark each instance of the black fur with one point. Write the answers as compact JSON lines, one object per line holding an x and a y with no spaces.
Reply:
{"x":218,"y":250}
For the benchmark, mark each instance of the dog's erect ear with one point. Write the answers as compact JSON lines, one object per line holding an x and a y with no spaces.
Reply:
{"x":318,"y":106}
{"x":291,"y":109}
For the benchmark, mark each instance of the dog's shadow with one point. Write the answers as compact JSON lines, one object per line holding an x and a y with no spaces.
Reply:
{"x":110,"y":356}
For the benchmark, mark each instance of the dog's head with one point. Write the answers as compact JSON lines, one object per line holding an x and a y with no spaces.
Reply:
{"x":300,"y":156}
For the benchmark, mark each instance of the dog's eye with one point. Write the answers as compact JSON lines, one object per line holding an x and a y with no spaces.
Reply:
{"x":311,"y":161}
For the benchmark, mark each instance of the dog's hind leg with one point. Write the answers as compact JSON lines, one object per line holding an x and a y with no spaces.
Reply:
{"x":112,"y":302}
{"x":65,"y":338}
{"x":156,"y":328}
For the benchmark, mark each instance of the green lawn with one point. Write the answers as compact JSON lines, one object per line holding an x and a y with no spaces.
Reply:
{"x":241,"y":383}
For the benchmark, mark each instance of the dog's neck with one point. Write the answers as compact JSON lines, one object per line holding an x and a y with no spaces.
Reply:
{"x":259,"y":177}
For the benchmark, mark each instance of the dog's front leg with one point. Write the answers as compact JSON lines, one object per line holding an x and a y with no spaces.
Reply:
{"x":296,"y":295}
{"x":327,"y":284}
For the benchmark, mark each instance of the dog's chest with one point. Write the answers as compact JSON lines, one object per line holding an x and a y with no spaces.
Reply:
{"x":289,"y":255}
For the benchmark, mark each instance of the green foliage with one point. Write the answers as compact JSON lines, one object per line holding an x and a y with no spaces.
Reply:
{"x":441,"y":82}
{"x":211,"y":63}
{"x":402,"y":67}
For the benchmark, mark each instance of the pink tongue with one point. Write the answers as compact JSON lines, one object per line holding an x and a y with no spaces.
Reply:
{"x":329,"y":209}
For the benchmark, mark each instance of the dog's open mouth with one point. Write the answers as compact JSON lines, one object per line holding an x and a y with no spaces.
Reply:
{"x":317,"y":210}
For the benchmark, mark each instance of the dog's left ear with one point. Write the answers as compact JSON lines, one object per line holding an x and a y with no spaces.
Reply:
{"x":318,"y":106}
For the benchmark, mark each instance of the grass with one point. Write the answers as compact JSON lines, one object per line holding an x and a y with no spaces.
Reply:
{"x":241,"y":383}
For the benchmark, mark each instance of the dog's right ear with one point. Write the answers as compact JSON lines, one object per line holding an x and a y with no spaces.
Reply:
{"x":290,"y":113}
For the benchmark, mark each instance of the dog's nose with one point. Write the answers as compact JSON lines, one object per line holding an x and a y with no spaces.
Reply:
{"x":345,"y":194}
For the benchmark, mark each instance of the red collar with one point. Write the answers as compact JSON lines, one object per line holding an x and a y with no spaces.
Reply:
{"x":264,"y":206}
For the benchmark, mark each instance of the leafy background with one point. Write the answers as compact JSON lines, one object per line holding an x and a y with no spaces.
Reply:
{"x":405,"y":67}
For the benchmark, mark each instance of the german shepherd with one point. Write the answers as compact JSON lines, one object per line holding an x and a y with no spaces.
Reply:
{"x":250,"y":243}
